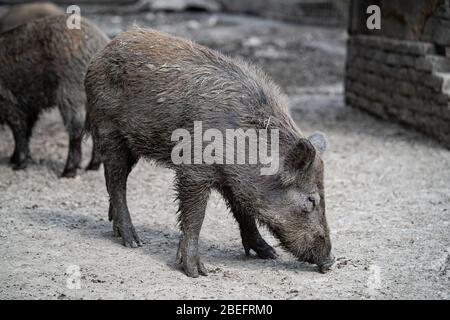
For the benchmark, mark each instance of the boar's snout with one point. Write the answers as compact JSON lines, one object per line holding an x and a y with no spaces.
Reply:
{"x":324,"y":258}
{"x":317,"y":252}
{"x":325,"y":265}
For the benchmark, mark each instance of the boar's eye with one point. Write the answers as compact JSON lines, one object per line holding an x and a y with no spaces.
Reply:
{"x":312,"y":200}
{"x":309,"y":202}
{"x":301,"y":202}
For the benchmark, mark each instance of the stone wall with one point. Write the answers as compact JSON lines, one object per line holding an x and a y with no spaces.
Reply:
{"x":402,"y":72}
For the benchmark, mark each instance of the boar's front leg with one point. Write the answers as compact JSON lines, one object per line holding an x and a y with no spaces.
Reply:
{"x":251,"y":238}
{"x":118,"y":164}
{"x":193,"y":197}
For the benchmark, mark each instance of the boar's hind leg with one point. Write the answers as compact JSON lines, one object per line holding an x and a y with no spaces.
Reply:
{"x":22,"y":134}
{"x":251,"y":238}
{"x":118,"y":164}
{"x":193,"y":197}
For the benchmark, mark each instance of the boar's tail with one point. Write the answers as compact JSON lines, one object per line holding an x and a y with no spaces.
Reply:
{"x":90,"y":130}
{"x":87,"y":127}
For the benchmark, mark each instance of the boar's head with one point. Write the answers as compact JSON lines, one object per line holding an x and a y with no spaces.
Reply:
{"x":292,"y":205}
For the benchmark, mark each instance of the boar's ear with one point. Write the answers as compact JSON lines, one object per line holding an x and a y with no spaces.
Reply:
{"x":319,"y":141}
{"x":301,"y":155}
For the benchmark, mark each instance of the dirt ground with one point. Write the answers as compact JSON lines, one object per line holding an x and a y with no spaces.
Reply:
{"x":388,"y":197}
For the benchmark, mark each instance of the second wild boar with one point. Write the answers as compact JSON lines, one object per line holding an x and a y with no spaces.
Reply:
{"x":43,"y":65}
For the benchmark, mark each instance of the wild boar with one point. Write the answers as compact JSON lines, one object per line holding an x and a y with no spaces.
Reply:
{"x":42,"y":65}
{"x":145,"y":85}
{"x":27,"y":12}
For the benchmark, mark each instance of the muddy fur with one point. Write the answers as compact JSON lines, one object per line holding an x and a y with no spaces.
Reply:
{"x":43,"y":65}
{"x":24,"y":13}
{"x":145,"y":84}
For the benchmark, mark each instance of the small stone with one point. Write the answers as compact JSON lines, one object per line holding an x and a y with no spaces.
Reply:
{"x":252,"y":42}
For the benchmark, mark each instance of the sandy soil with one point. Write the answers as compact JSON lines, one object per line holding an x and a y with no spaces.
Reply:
{"x":388,"y":199}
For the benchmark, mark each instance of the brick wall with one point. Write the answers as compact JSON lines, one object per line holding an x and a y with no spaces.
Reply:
{"x":402,"y":72}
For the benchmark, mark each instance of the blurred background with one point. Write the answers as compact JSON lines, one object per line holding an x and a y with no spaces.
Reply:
{"x":263,"y":31}
{"x":399,"y":72}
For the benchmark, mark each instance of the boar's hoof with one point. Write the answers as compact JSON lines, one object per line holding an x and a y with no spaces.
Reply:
{"x":69,"y":173}
{"x":94,"y":166}
{"x":128,"y":234}
{"x":262,"y":249}
{"x":19,"y":166}
{"x":191,"y":263}
{"x":19,"y":162}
